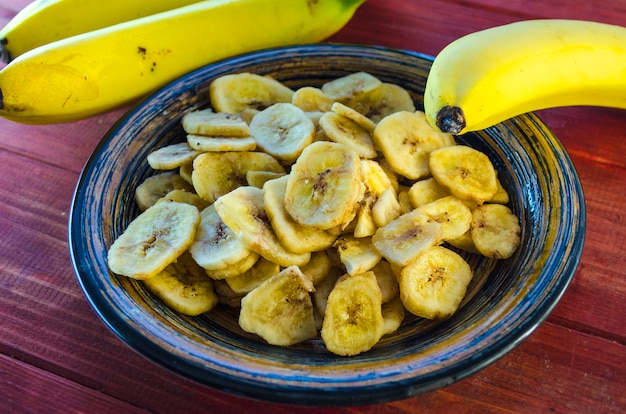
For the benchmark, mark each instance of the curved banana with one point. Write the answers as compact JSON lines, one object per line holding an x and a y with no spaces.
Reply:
{"x":100,"y":70}
{"x":45,"y":21}
{"x":492,"y":75}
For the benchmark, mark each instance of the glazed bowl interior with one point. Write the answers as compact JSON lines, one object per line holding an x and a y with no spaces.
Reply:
{"x":506,"y":300}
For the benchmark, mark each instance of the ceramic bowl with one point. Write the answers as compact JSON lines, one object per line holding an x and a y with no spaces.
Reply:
{"x":506,"y":300}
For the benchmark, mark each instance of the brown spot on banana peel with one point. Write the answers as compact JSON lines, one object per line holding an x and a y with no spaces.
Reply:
{"x":451,"y":119}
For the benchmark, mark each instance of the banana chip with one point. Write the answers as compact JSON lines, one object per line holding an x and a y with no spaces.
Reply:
{"x":283,"y":131}
{"x":293,"y":235}
{"x":495,"y":231}
{"x":172,"y":157}
{"x":214,"y":124}
{"x":406,"y":237}
{"x":243,"y":211}
{"x":353,"y":319}
{"x":324,"y":186}
{"x":153,"y":188}
{"x":215,"y":246}
{"x":433,"y":284}
{"x":345,"y":131}
{"x":351,"y":86}
{"x":184,"y":287}
{"x":393,"y":315}
{"x":236,"y":93}
{"x":453,"y":215}
{"x":153,"y":240}
{"x":384,"y":100}
{"x":220,"y":144}
{"x":262,"y":270}
{"x":466,"y":172}
{"x":358,"y":255}
{"x":216,"y":174}
{"x":406,"y":140}
{"x":311,"y":99}
{"x":280,"y":310}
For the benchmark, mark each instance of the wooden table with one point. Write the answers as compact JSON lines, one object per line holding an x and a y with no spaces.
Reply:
{"x":57,"y":356}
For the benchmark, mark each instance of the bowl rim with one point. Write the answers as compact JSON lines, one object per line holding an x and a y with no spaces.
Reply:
{"x":281,"y":392}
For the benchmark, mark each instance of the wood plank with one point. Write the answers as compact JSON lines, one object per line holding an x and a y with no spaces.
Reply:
{"x":26,"y":389}
{"x":516,"y":383}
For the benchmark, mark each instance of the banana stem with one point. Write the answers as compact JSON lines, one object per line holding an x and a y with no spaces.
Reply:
{"x":451,"y":119}
{"x":5,"y":56}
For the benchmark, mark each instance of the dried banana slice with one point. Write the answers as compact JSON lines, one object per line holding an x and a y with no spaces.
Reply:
{"x":365,"y":226}
{"x":386,"y":208}
{"x":387,"y":281}
{"x":376,"y":178}
{"x":433,"y":284}
{"x":501,"y":196}
{"x":241,"y":91}
{"x":406,"y":139}
{"x":351,"y":86}
{"x":157,"y":186}
{"x":172,"y":156}
{"x":453,"y":215}
{"x":345,"y":131}
{"x":259,"y":178}
{"x":185,"y":171}
{"x":220,"y":144}
{"x":244,"y":283}
{"x":393,"y":315}
{"x":311,"y":99}
{"x":324,"y":287}
{"x":243,"y":210}
{"x":247,"y":114}
{"x":324,"y":186}
{"x":225,"y":294}
{"x":235,"y":269}
{"x":280,"y":310}
{"x":426,"y":191}
{"x":358,"y":255}
{"x":216,"y":174}
{"x":291,"y":234}
{"x":283,"y":131}
{"x":184,"y":196}
{"x":377,"y":181}
{"x":353,"y":320}
{"x":404,"y":200}
{"x":464,"y":242}
{"x":354,"y":115}
{"x":214,"y":124}
{"x":215,"y":245}
{"x":384,"y":100}
{"x":406,"y":237}
{"x":184,"y":287}
{"x":466,"y":172}
{"x":495,"y":231}
{"x":318,"y":267}
{"x":153,"y":240}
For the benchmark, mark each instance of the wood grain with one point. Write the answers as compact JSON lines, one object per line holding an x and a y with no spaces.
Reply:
{"x":57,"y":356}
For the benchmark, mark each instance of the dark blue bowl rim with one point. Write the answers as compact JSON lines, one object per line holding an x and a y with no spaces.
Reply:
{"x":297,"y":394}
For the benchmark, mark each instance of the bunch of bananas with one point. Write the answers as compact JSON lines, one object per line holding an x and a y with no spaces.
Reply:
{"x":498,"y":73}
{"x":71,"y":59}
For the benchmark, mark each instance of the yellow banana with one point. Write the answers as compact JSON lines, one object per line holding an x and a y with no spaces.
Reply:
{"x":492,"y":75}
{"x":100,"y":70}
{"x":45,"y":21}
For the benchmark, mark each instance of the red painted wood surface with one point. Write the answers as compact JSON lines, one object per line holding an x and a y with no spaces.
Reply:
{"x":57,"y":356}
